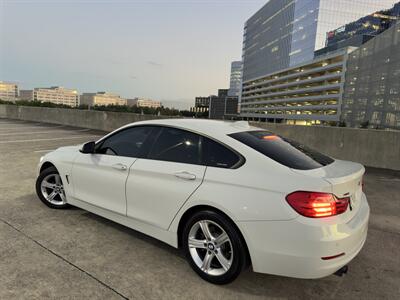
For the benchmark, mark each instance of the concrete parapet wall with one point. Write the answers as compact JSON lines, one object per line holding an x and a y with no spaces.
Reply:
{"x":101,"y":120}
{"x":373,"y":148}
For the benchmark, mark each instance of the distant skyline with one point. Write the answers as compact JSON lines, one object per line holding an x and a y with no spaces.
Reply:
{"x":166,"y":50}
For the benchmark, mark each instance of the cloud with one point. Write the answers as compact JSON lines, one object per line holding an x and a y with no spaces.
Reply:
{"x":115,"y":62}
{"x":132,"y":77}
{"x":87,"y":74}
{"x":154,"y":63}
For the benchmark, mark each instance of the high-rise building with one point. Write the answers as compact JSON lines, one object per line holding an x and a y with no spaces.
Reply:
{"x":8,"y":91}
{"x":143,"y":102}
{"x":371,"y":95}
{"x":360,"y":31}
{"x":201,"y":104}
{"x":309,"y":93}
{"x":355,"y":86}
{"x":55,"y":94}
{"x":26,"y":95}
{"x":217,"y":106}
{"x":235,"y":78}
{"x":221,"y":108}
{"x":102,"y":98}
{"x":284,"y":33}
{"x":203,"y":101}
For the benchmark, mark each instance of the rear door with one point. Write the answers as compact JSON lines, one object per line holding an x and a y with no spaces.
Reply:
{"x":159,"y":185}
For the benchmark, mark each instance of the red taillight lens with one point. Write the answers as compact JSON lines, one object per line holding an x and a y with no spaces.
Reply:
{"x":317,"y":205}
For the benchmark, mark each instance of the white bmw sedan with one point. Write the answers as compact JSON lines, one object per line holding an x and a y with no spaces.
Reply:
{"x":228,"y":194}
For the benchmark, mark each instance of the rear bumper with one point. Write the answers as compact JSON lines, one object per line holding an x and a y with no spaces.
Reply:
{"x":295,"y":247}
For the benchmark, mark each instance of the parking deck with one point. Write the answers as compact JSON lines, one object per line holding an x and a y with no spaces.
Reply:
{"x":72,"y":253}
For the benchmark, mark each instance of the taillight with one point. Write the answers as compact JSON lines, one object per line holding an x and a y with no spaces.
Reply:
{"x":316,"y":204}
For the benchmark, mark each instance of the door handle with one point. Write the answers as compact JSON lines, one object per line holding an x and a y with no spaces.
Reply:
{"x":185,"y":175}
{"x":120,"y":167}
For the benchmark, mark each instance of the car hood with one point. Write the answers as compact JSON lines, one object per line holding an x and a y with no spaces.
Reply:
{"x":69,"y":148}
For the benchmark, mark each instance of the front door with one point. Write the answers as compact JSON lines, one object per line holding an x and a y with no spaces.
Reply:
{"x":100,"y":178}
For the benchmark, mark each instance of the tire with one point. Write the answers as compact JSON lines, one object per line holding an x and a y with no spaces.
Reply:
{"x":50,"y":189}
{"x":215,"y":257}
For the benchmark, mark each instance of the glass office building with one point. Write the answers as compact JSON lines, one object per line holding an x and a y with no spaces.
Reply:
{"x":235,"y":78}
{"x":371,"y":95}
{"x":285,"y":33}
{"x":360,"y":31}
{"x":358,"y":86}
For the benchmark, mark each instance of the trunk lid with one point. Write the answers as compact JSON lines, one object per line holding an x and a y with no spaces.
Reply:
{"x":345,"y":179}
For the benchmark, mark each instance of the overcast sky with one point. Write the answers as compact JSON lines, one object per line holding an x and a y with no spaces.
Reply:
{"x":166,"y":50}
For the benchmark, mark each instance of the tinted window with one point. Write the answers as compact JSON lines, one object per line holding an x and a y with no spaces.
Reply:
{"x":217,"y":155}
{"x":176,"y":145}
{"x":287,"y":152}
{"x":128,"y":142}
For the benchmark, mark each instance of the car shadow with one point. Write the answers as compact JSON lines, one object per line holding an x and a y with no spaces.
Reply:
{"x":248,"y":283}
{"x":133,"y":233}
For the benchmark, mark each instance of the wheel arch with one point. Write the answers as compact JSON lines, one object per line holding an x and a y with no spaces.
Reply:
{"x":196,"y":208}
{"x":46,"y":165}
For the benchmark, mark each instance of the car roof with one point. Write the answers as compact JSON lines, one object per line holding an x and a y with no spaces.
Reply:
{"x":200,"y":125}
{"x":204,"y":126}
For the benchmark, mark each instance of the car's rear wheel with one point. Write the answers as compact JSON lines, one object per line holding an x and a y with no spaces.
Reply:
{"x":213,"y":247}
{"x":50,"y":188}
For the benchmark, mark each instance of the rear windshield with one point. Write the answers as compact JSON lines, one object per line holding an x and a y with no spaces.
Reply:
{"x":286,"y":152}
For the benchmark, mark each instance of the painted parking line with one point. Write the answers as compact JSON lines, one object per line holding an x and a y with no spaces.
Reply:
{"x":389,"y":179}
{"x":20,"y":123}
{"x":50,"y":139}
{"x":17,"y":125}
{"x":30,"y":127}
{"x":7,"y":121}
{"x":41,"y":132}
{"x":27,"y":124}
{"x":14,"y":123}
{"x":8,"y":125}
{"x":40,"y":151}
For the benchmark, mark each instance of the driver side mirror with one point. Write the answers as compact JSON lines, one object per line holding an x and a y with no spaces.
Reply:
{"x":88,"y":148}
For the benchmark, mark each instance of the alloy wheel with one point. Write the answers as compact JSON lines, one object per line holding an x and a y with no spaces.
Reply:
{"x":210,"y":247}
{"x":52,"y":189}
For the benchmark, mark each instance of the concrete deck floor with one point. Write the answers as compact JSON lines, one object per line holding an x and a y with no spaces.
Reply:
{"x":47,"y":253}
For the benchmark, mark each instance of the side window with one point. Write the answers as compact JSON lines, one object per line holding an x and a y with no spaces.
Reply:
{"x":176,"y":145}
{"x":217,"y":155}
{"x":128,"y":142}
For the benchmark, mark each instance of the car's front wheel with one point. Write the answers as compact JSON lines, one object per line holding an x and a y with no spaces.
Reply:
{"x":50,"y":188}
{"x":213,"y":247}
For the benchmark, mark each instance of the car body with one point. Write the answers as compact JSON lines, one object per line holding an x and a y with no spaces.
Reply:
{"x":221,"y":169}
